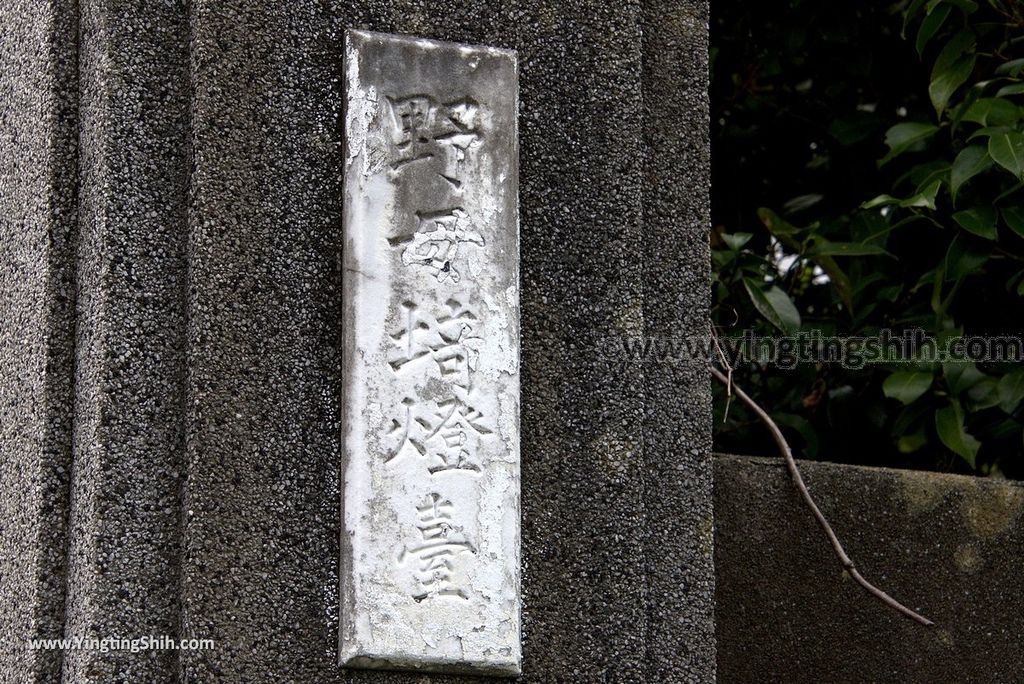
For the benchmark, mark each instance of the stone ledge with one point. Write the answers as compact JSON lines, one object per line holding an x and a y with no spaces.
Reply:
{"x":947,"y":545}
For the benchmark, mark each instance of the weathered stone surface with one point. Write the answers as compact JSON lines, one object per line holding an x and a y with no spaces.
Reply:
{"x":616,"y":553}
{"x":679,"y":526}
{"x":38,"y":136}
{"x":945,"y":545}
{"x":430,"y":550}
{"x":262,"y":527}
{"x":124,"y":555}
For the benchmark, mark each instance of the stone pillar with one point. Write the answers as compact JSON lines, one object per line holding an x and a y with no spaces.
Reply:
{"x":124,"y":555}
{"x":38,"y":139}
{"x":204,"y":410}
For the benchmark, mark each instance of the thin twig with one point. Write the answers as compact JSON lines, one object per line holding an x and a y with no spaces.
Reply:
{"x":728,"y":369}
{"x":794,"y":472}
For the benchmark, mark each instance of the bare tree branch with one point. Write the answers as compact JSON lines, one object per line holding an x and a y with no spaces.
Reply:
{"x":728,"y":376}
{"x":794,"y":472}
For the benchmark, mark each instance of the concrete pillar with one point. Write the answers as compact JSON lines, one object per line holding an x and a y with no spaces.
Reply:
{"x":205,"y":406}
{"x":38,"y":139}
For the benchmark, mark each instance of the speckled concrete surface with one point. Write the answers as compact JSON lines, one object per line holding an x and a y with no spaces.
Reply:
{"x":616,"y":471}
{"x":945,"y":545}
{"x":262,"y":440}
{"x":677,"y":418}
{"x":37,"y":226}
{"x":127,"y":478}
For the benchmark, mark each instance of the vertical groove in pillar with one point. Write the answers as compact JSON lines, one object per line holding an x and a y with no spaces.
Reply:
{"x":124,"y":551}
{"x":261,"y":532}
{"x":680,"y":645}
{"x":38,"y":139}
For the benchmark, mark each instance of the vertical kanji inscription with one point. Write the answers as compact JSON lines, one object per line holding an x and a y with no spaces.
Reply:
{"x":430,"y":554}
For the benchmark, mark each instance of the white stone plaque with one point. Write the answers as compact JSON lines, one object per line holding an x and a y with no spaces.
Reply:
{"x":430,"y":549}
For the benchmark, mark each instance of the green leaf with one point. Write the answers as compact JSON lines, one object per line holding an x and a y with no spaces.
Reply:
{"x":949,"y":423}
{"x":924,"y":199}
{"x":787,"y":233}
{"x":906,"y":386}
{"x":988,"y":132}
{"x":774,"y":304}
{"x":869,"y":226}
{"x":923,"y":175}
{"x":980,"y":220}
{"x":1015,"y":89}
{"x":865,"y":283}
{"x":775,"y":224}
{"x":908,"y":444}
{"x":959,"y":107}
{"x":823,"y":247}
{"x":961,"y":376}
{"x":930,"y":26}
{"x":1014,"y":218}
{"x":968,"y":6}
{"x":1012,"y":68}
{"x":837,"y":278}
{"x":880,"y":201}
{"x":889,"y":294}
{"x":1011,"y":390}
{"x":993,"y":111}
{"x":1015,"y":281}
{"x":963,"y":259}
{"x":902,"y":137}
{"x":1007,"y":149}
{"x":801,"y":202}
{"x":983,"y":395}
{"x":735,"y":241}
{"x":911,"y":418}
{"x":952,"y":67}
{"x":910,"y":13}
{"x":721,"y":259}
{"x":969,"y":163}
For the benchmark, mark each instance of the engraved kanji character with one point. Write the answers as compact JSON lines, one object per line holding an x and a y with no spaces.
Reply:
{"x":448,"y":444}
{"x":435,"y":244}
{"x":421,"y":128}
{"x":440,"y":542}
{"x":443,"y":430}
{"x":447,"y":340}
{"x":411,"y":121}
{"x":446,"y":434}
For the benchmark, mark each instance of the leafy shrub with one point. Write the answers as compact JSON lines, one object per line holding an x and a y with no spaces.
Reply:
{"x":868,"y":175}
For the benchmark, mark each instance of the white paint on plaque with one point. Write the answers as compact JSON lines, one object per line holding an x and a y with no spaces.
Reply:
{"x":430,"y":548}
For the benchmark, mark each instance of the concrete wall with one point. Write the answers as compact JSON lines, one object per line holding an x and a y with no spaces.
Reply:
{"x":177,"y":165}
{"x":947,"y":546}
